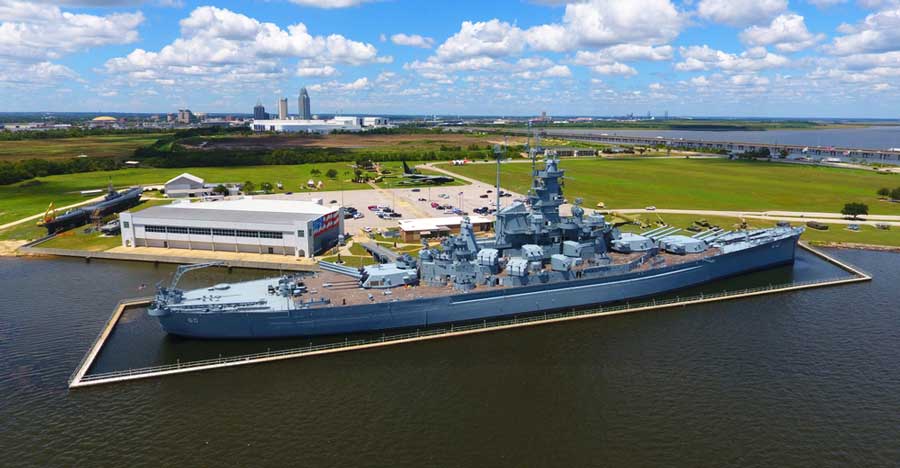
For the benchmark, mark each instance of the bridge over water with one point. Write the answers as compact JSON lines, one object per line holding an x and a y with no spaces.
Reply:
{"x":817,"y":152}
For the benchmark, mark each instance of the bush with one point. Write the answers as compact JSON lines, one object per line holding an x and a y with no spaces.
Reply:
{"x":884,"y":192}
{"x":895,"y":194}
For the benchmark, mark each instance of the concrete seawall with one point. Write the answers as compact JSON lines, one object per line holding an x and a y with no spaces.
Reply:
{"x":28,"y":250}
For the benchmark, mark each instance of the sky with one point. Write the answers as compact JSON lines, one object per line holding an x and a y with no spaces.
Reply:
{"x":766,"y":58}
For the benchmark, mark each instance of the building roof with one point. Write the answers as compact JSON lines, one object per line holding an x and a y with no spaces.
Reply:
{"x":244,"y":210}
{"x":104,"y":118}
{"x":434,"y":224}
{"x":186,"y":176}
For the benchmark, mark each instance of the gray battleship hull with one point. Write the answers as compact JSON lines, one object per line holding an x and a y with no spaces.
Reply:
{"x":478,"y":305}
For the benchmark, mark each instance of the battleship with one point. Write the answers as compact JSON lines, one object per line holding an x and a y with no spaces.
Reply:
{"x":538,"y":260}
{"x":113,"y":202}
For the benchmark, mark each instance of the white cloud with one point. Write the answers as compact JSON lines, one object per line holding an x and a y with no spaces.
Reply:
{"x":616,"y":68}
{"x":334,"y":86}
{"x":878,"y":32}
{"x":555,"y":71}
{"x":740,"y":12}
{"x":329,"y":3}
{"x":221,"y":45}
{"x":704,"y":58}
{"x":492,"y":38}
{"x":30,"y":31}
{"x":37,"y":74}
{"x":308,"y":69}
{"x":787,"y":33}
{"x":412,"y":40}
{"x":601,"y":23}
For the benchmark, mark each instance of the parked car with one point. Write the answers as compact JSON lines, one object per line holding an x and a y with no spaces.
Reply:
{"x":483,"y":196}
{"x":444,"y":195}
{"x":650,"y":208}
{"x":373,"y":207}
{"x":357,"y":215}
{"x":422,"y":199}
{"x":416,"y":190}
{"x":435,"y":205}
{"x":367,"y":229}
{"x":490,"y":191}
{"x":394,"y":215}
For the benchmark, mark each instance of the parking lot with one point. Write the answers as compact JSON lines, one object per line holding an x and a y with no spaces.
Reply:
{"x":408,"y":202}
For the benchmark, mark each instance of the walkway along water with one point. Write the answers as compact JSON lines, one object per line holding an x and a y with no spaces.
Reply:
{"x":81,"y":378}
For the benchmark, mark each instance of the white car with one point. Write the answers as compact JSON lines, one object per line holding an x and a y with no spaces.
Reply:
{"x":650,"y":208}
{"x":367,"y":229}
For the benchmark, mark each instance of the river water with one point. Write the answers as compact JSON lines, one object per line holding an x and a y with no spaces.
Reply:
{"x":880,"y":138}
{"x":810,"y":378}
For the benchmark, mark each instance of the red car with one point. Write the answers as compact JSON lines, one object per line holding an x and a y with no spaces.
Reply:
{"x":435,"y":204}
{"x":372,"y":207}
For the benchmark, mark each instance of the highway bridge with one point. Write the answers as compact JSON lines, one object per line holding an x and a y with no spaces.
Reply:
{"x":815,"y":152}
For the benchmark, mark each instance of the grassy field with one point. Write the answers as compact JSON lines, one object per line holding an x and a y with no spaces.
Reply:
{"x":370,"y":143}
{"x":712,"y":184}
{"x":31,"y":197}
{"x":103,"y":146}
{"x":835,"y":232}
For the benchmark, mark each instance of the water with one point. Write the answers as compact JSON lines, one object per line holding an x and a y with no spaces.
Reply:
{"x":810,"y":378}
{"x":880,"y":138}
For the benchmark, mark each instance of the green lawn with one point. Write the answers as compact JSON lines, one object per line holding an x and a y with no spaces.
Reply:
{"x":714,"y":184}
{"x":77,"y":239}
{"x":32,"y":197}
{"x":101,"y":146}
{"x":30,"y":230}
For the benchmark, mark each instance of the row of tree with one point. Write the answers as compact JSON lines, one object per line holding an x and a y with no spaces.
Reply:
{"x":12,"y":172}
{"x":73,"y":132}
{"x":893,"y":194}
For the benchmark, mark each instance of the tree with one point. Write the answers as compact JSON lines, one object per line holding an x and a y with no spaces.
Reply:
{"x":249,"y":187}
{"x":220,"y":189}
{"x":315,"y":171}
{"x":884,"y":192}
{"x":266,"y":187}
{"x":895,"y":194}
{"x":331,"y":173}
{"x":784,"y":153}
{"x":855,"y":210}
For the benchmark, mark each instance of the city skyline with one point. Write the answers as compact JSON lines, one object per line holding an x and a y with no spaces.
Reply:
{"x":810,"y":58}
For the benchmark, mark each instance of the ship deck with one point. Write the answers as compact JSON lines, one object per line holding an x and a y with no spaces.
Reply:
{"x":342,"y":290}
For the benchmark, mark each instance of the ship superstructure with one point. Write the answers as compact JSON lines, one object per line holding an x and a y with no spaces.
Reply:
{"x":539,"y":259}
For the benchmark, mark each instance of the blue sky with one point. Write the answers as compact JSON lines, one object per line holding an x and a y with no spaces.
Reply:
{"x":817,"y":58}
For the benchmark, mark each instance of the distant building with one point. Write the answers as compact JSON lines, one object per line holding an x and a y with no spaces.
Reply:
{"x":185,"y":116}
{"x":303,"y":105}
{"x":190,"y":186}
{"x":282,"y":109}
{"x":344,"y":123}
{"x":259,"y":112}
{"x":104,"y":121}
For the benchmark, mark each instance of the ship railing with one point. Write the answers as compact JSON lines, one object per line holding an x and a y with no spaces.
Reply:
{"x":448,"y":329}
{"x":123,"y":304}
